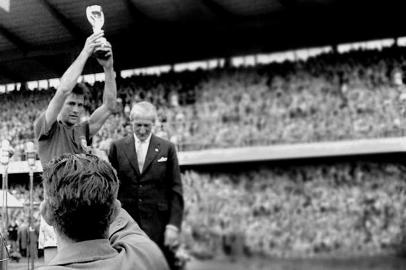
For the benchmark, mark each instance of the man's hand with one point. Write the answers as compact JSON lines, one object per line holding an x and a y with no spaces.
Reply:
{"x":106,"y":63}
{"x":171,"y":237}
{"x":92,"y":43}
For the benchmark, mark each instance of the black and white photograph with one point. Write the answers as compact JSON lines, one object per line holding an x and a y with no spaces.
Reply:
{"x":203,"y":134}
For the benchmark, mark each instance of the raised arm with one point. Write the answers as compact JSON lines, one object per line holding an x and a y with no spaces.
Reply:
{"x":69,"y":78}
{"x":100,"y":115}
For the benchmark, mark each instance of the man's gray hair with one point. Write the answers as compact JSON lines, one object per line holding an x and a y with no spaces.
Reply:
{"x":143,"y":108}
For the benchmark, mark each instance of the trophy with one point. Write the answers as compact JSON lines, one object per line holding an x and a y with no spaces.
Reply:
{"x":96,"y":18}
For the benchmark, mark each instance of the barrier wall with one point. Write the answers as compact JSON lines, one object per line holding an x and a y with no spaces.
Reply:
{"x":273,"y":152}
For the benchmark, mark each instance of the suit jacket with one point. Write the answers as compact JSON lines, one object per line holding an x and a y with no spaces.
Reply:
{"x":127,"y":248}
{"x":154,"y":196}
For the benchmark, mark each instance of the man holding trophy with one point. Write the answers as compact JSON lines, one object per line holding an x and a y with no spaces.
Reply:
{"x":59,"y":129}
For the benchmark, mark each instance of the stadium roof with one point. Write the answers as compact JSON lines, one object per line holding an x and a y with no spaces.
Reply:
{"x":40,"y":38}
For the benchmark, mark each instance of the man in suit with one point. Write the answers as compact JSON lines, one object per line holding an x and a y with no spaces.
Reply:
{"x":93,"y":231}
{"x":150,"y":184}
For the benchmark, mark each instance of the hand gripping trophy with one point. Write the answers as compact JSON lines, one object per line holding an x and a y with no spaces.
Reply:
{"x":96,"y":18}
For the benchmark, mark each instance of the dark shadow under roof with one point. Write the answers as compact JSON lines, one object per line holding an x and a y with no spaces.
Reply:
{"x":40,"y":38}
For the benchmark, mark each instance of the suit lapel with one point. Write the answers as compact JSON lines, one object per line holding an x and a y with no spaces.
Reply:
{"x":131,"y":153}
{"x":153,"y":150}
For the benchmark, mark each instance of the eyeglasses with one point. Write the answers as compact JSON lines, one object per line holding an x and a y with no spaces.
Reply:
{"x":4,"y":250}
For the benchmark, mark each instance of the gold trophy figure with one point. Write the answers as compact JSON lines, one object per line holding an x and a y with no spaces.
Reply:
{"x":96,"y":18}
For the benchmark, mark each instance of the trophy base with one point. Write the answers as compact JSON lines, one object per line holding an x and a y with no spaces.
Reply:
{"x":101,"y":54}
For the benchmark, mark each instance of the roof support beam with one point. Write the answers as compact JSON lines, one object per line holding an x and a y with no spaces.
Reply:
{"x":14,"y":39}
{"x":288,"y":3}
{"x":54,"y":67}
{"x":136,"y":13}
{"x":63,"y":20}
{"x":10,"y":75}
{"x":219,"y":10}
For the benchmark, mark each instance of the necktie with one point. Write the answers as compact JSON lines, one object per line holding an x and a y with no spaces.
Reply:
{"x":141,"y":155}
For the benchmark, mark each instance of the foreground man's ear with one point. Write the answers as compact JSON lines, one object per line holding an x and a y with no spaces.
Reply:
{"x":46,"y":213}
{"x":116,"y":211}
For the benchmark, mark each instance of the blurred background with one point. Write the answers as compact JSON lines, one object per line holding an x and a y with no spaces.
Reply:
{"x":288,"y":115}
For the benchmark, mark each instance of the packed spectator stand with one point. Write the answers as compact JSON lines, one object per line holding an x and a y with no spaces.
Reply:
{"x":285,"y":212}
{"x":328,"y":97}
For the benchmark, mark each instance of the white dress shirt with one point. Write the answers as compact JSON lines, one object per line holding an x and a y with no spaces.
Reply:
{"x":141,"y":149}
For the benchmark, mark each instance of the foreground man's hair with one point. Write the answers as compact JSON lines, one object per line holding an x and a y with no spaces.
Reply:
{"x":80,"y":193}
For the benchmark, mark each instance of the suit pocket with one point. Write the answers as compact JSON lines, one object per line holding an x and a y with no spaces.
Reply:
{"x":160,"y":164}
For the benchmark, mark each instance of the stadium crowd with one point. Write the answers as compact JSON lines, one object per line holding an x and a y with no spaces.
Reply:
{"x":298,"y":211}
{"x":328,"y":97}
{"x":355,"y":208}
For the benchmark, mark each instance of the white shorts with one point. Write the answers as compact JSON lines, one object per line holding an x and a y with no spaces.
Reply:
{"x":47,"y":236}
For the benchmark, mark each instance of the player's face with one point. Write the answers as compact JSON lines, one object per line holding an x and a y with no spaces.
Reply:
{"x":142,"y":127}
{"x":72,"y":109}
